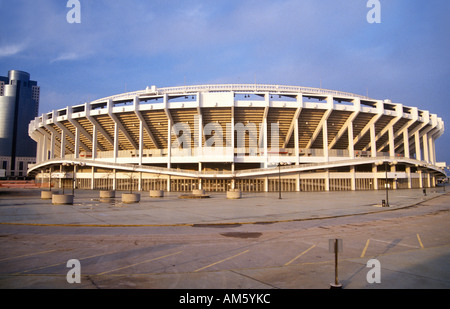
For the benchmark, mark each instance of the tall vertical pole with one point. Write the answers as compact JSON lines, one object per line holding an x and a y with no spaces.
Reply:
{"x":73,"y":179}
{"x":336,"y":279}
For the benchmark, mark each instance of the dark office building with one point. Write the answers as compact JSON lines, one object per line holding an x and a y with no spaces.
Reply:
{"x":19,"y":104}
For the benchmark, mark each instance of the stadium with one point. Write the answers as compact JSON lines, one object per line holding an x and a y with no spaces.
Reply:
{"x":252,"y":137}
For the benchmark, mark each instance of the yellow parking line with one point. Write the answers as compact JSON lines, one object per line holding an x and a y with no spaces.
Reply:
{"x":228,"y":258}
{"x":420,"y":241}
{"x":365,"y":248}
{"x":299,"y":255}
{"x":146,"y":261}
{"x":26,"y":255}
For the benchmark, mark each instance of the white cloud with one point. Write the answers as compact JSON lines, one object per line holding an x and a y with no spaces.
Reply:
{"x":69,"y":56}
{"x":11,"y":50}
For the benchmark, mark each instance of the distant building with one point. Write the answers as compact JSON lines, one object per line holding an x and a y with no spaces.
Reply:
{"x":19,"y":104}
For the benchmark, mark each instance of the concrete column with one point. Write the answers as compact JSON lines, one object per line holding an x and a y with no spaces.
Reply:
{"x":38,"y":149}
{"x":351,"y":147}
{"x":327,"y":180}
{"x":296,"y":145}
{"x":408,"y":175}
{"x":52,"y":145}
{"x":325,"y":140}
{"x":114,"y":179}
{"x":406,"y":143}
{"x":425,"y":148}
{"x":420,"y":178}
{"x":431,"y":148}
{"x":76,"y":151}
{"x":140,"y":182}
{"x":200,"y":184}
{"x":44,"y":149}
{"x":433,"y":145}
{"x":37,"y":140}
{"x":230,"y":135}
{"x":94,"y":142}
{"x":75,"y":178}
{"x":375,"y":176}
{"x":353,"y":178}
{"x":92,"y":178}
{"x":266,"y":155}
{"x":391,"y":141}
{"x":266,"y":129}
{"x":373,"y":143}
{"x":116,"y":142}
{"x":417,"y":142}
{"x":169,"y":143}
{"x":141,"y":142}
{"x":63,"y":145}
{"x":200,"y":134}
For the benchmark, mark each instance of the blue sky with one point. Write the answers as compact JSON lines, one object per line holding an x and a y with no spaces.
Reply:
{"x":127,"y":45}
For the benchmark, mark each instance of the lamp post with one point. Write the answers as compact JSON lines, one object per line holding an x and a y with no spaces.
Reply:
{"x":73,"y":179}
{"x":279,"y":164}
{"x":50,"y":179}
{"x":63,"y":184}
{"x":73,"y":174}
{"x":386,"y":164}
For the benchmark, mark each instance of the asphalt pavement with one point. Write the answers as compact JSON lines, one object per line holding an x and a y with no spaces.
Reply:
{"x":26,"y":207}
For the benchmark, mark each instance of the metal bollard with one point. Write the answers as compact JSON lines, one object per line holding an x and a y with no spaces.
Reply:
{"x":335,"y":246}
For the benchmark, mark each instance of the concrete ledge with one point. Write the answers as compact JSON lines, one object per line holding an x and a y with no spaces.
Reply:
{"x":62,"y":199}
{"x":107,"y":194}
{"x":156,"y":193}
{"x":129,"y":198}
{"x":234,"y":194}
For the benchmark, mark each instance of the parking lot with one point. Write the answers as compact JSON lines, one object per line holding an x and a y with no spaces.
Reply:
{"x":257,"y":242}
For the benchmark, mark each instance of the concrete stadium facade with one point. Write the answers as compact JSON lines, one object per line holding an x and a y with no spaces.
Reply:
{"x":246,"y":136}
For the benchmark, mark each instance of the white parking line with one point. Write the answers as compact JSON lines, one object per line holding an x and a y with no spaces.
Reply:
{"x":397,"y":244}
{"x":299,"y":255}
{"x":228,"y":258}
